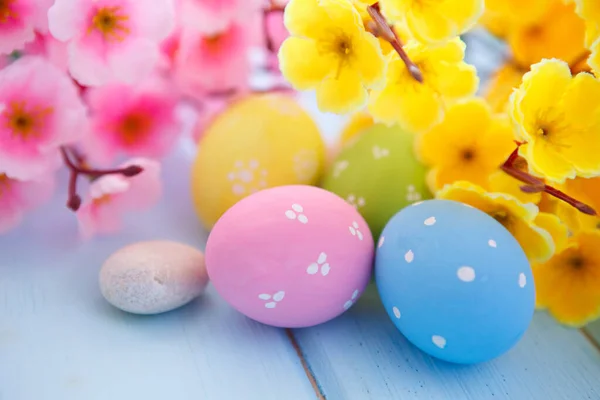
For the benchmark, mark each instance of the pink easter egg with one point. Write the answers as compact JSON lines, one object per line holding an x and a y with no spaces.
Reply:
{"x":290,"y":256}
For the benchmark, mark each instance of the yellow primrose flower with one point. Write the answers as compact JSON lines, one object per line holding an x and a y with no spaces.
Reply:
{"x":468,"y":145}
{"x":568,"y":285}
{"x":557,"y":33}
{"x":557,"y":116}
{"x":589,"y":10}
{"x":419,"y":106}
{"x":516,"y":217}
{"x":500,"y":86}
{"x":501,"y":182}
{"x":434,"y":21}
{"x":584,"y":190}
{"x":330,"y":51}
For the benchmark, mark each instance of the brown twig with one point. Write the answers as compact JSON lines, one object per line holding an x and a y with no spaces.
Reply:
{"x":76,"y":169}
{"x":388,"y":33}
{"x":536,"y":185}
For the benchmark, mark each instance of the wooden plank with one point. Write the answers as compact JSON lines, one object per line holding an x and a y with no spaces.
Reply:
{"x":361,"y":355}
{"x":60,"y":340}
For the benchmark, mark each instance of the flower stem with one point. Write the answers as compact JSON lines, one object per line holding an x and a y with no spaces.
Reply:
{"x":388,"y":33}
{"x":536,"y":185}
{"x":76,"y":169}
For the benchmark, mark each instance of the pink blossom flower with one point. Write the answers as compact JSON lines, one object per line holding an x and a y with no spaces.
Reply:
{"x":18,"y":197}
{"x":112,"y":196}
{"x":212,"y":16}
{"x":42,"y":45}
{"x":111,"y":39}
{"x":19,"y":19}
{"x":136,"y":120}
{"x":215,"y":63}
{"x":40,"y":110}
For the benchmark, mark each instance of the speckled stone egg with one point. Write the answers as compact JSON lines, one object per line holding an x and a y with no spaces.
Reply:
{"x":291,"y":256}
{"x":378,"y":174}
{"x":454,"y":281}
{"x":258,"y":142}
{"x":153,"y":277}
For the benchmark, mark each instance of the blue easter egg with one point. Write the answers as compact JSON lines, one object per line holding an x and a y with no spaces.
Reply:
{"x":454,"y":281}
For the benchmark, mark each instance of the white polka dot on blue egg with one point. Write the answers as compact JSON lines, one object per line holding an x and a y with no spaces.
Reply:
{"x":454,"y":281}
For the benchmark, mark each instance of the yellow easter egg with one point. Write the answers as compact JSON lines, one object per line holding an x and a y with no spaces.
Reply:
{"x":258,"y":142}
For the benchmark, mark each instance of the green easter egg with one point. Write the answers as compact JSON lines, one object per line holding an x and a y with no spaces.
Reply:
{"x":379,"y":174}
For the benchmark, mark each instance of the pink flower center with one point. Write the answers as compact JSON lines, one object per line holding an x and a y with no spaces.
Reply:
{"x":4,"y":184}
{"x":6,"y":11}
{"x":134,"y":127}
{"x":102,"y":200}
{"x":111,"y":23}
{"x":23,"y":122}
{"x":213,"y":43}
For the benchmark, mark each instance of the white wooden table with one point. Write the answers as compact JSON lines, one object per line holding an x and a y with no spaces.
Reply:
{"x":59,"y":340}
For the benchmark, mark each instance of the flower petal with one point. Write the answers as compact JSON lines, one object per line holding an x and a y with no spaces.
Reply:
{"x":555,"y":227}
{"x":302,"y":64}
{"x":87,"y":63}
{"x":430,"y":26}
{"x":369,"y":60}
{"x":414,"y":106}
{"x":536,"y":242}
{"x":463,"y":13}
{"x":66,"y":18}
{"x":306,"y":18}
{"x":541,"y":91}
{"x":545,"y":161}
{"x":342,"y":94}
{"x":134,"y":60}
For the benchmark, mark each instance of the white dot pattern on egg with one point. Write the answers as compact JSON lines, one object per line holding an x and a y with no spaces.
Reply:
{"x":448,"y":265}
{"x":296,"y":213}
{"x":466,"y":274}
{"x":439,"y":341}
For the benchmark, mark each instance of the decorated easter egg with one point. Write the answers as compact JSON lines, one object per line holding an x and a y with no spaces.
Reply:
{"x":258,"y":142}
{"x":378,"y":174}
{"x":291,"y":256}
{"x":153,"y":277}
{"x":454,"y":281}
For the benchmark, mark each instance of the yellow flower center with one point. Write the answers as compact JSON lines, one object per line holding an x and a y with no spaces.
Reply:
{"x":340,"y":46}
{"x":555,"y":131}
{"x":111,"y":23}
{"x":468,"y":155}
{"x":134,"y":127}
{"x":6,"y":11}
{"x":23,"y":122}
{"x":577,"y":262}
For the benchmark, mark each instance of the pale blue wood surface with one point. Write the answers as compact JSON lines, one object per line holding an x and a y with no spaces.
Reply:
{"x":362,"y":356}
{"x":59,"y":340}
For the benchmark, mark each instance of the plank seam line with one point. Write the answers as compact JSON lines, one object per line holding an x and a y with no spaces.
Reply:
{"x":307,"y":370}
{"x":590,"y":338}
